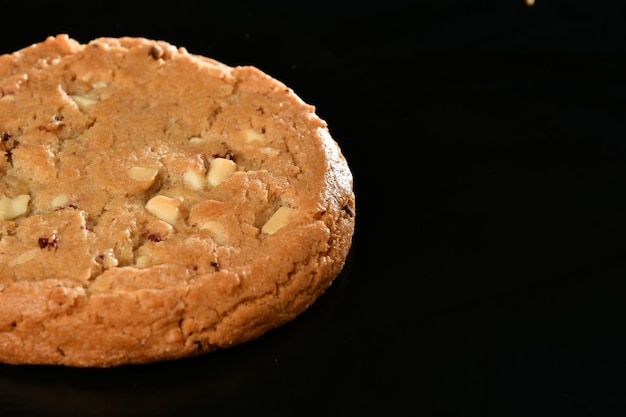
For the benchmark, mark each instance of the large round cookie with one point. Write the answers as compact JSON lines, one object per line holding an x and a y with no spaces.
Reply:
{"x":156,"y":204}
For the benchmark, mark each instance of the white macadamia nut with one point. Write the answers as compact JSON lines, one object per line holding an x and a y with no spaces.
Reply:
{"x":252,"y":135}
{"x":143,"y":173}
{"x":143,"y":261}
{"x":102,"y":283}
{"x":194,"y":179}
{"x":165,"y":208}
{"x":108,"y":259}
{"x":220,"y":170}
{"x":217,"y":230}
{"x":11,"y":208}
{"x":197,"y":139}
{"x":279,"y":219}
{"x":83,"y":101}
{"x":59,"y":201}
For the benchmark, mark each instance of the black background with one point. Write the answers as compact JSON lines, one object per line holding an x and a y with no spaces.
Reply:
{"x":487,"y":276}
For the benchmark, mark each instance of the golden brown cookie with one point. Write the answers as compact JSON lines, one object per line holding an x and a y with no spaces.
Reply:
{"x":156,"y":204}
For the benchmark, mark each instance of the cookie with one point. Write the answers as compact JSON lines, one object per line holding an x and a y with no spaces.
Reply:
{"x":157,"y":204}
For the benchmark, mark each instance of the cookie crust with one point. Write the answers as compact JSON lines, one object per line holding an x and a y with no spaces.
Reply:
{"x":157,"y":204}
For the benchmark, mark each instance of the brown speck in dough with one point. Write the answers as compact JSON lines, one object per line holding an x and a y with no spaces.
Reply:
{"x":153,"y":238}
{"x":50,"y":243}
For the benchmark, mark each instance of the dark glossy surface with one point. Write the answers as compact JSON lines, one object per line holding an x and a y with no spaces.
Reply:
{"x":487,"y":276}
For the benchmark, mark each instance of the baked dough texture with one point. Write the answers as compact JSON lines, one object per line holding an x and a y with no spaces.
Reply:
{"x":156,"y":204}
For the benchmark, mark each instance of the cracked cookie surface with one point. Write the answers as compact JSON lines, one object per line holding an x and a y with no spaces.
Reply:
{"x":156,"y":204}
